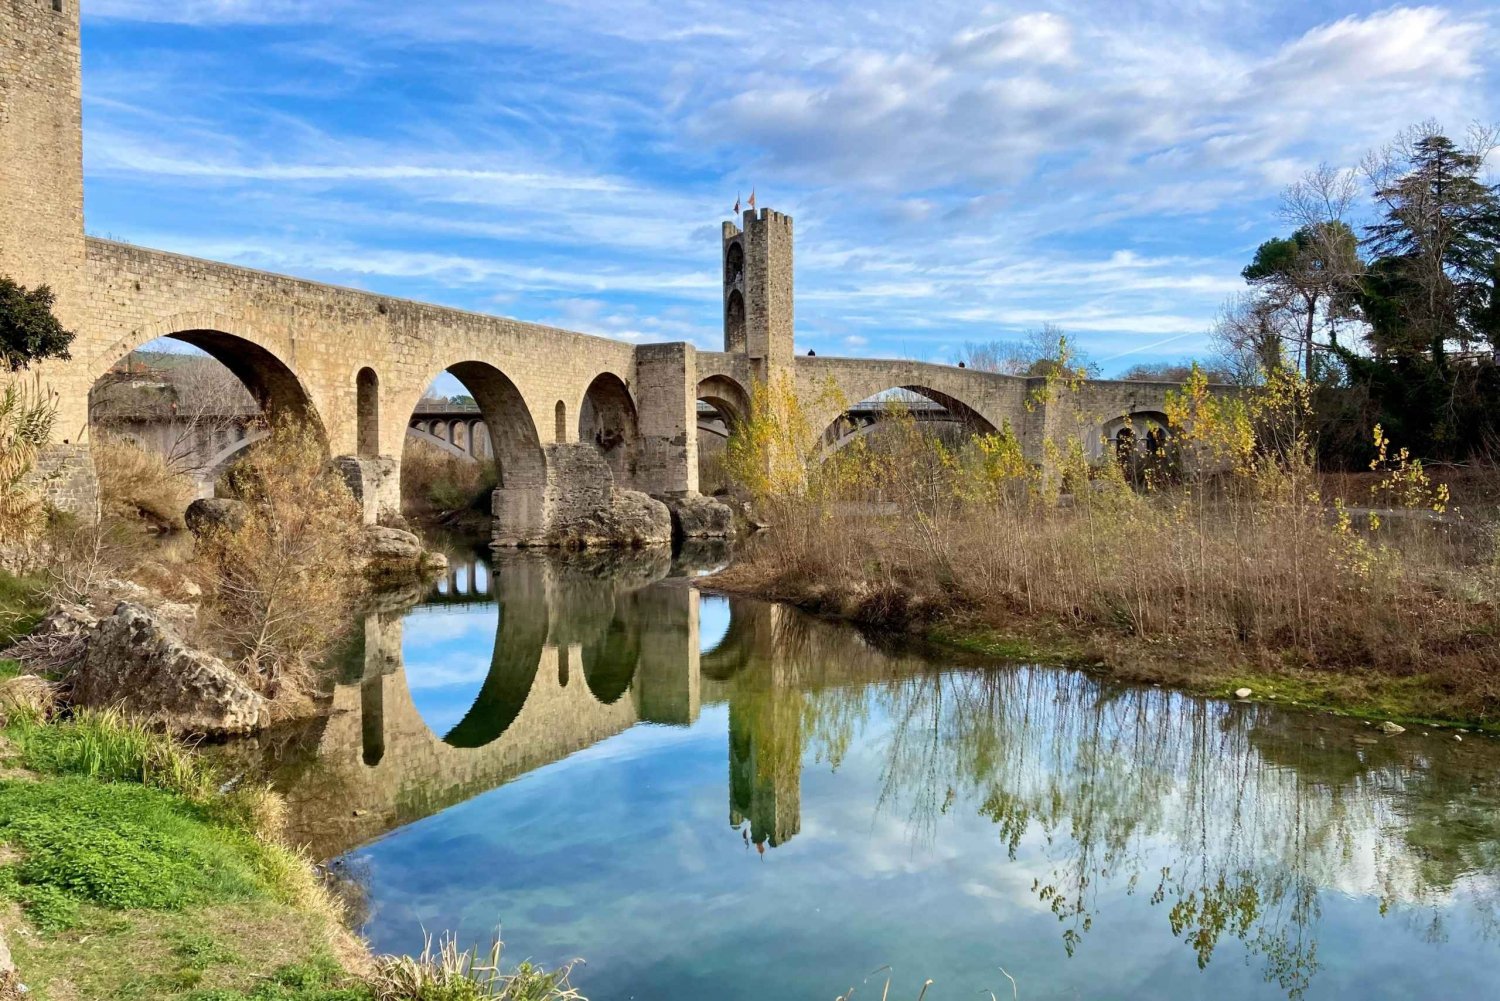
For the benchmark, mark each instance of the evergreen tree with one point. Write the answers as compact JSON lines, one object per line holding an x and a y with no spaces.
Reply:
{"x":29,"y":332}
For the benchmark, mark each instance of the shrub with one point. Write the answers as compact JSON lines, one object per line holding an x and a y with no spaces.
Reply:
{"x":27,"y":415}
{"x":278,"y":585}
{"x":138,"y":484}
{"x":435,"y":482}
{"x":111,"y":747}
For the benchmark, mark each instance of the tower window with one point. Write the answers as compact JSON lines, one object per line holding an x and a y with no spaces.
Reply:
{"x":734,"y":264}
{"x":57,"y":5}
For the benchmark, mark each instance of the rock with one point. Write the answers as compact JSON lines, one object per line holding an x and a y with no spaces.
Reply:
{"x":1458,"y":736}
{"x":189,"y":589}
{"x":392,"y":545}
{"x":1243,"y":693}
{"x":1391,"y":728}
{"x":137,"y":662}
{"x":631,"y":519}
{"x":214,"y":513}
{"x":695,"y":516}
{"x":10,"y":981}
{"x":434,"y":563}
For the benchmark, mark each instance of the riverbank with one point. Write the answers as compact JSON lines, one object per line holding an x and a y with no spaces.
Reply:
{"x":130,"y":868}
{"x":1410,"y":636}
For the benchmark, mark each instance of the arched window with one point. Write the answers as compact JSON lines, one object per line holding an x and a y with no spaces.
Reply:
{"x":561,"y":431}
{"x":734,"y":322}
{"x":367,"y":391}
{"x":734,"y":264}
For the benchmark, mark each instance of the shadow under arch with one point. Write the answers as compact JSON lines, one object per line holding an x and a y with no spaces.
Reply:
{"x":611,"y":659}
{"x":863,"y":417}
{"x":272,"y":383}
{"x":520,"y":638}
{"x":608,"y":420}
{"x":515,"y":448}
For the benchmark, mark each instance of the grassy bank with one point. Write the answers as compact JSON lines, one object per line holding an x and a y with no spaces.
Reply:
{"x":126,"y":872}
{"x":1224,"y":561}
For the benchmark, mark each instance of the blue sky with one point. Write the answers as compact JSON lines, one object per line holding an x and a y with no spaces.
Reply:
{"x":957,"y":172}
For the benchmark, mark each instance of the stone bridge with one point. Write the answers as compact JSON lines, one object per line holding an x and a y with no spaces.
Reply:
{"x":356,"y":364}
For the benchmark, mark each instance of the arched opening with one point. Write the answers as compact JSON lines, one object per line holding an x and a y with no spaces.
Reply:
{"x":723,"y":407}
{"x":734,"y":323}
{"x":943,"y":417}
{"x":1140,"y":442}
{"x":190,"y":402}
{"x":502,"y":474}
{"x":560,"y":428}
{"x":367,"y":403}
{"x":607,"y":420}
{"x":734,"y":264}
{"x":609,"y":662}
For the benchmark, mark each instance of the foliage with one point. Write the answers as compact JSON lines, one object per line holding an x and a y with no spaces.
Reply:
{"x":23,"y":602}
{"x":275,"y":584}
{"x":115,"y":846}
{"x":110,"y":747}
{"x":27,"y":415}
{"x":1035,"y":354}
{"x":29,"y":332}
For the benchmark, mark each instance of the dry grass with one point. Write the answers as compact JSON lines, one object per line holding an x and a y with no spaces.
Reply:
{"x":447,"y":970}
{"x":437,"y":484}
{"x":137,"y":484}
{"x":1248,"y":569}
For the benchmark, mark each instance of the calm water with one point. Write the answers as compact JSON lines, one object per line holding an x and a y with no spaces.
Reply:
{"x":722,"y":798}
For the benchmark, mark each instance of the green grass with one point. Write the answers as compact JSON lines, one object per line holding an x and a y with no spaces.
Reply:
{"x":110,"y":747}
{"x":118,"y":847}
{"x":23,"y":602}
{"x":318,"y":980}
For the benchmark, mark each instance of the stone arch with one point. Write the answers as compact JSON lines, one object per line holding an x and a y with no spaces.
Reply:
{"x":1145,"y":429}
{"x":844,"y":428}
{"x":734,"y":323}
{"x":726,"y":396}
{"x":269,"y":379}
{"x":731,"y":408}
{"x":515,"y":448}
{"x":608,"y":421}
{"x":367,"y":409}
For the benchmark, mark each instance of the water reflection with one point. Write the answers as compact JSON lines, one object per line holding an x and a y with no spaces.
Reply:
{"x":1096,"y":840}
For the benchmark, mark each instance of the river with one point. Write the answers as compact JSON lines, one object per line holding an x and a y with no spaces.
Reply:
{"x":709,"y":797}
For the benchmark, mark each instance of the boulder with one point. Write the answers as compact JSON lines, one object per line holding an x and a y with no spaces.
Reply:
{"x":695,"y":516}
{"x":392,"y":545}
{"x":631,"y":519}
{"x":1391,"y":728}
{"x":137,"y":662}
{"x":214,"y":513}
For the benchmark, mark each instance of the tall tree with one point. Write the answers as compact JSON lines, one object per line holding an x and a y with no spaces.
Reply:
{"x":1436,"y":245}
{"x":1306,"y":275}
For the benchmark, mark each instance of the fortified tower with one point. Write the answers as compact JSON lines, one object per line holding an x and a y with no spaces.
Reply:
{"x":41,"y":211}
{"x":758,"y":317}
{"x":41,"y":149}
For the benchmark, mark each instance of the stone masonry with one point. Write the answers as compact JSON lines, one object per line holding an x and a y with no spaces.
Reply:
{"x":356,"y":363}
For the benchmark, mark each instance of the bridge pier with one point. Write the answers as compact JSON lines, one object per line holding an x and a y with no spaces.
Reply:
{"x":376,"y":485}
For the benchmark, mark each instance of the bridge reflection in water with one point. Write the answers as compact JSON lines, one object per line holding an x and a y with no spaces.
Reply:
{"x":583,"y":650}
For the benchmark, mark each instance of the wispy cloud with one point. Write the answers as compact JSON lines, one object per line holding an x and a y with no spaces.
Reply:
{"x":956,"y":173}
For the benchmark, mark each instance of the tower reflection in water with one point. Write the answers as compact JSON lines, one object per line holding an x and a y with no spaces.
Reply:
{"x":1134,"y":815}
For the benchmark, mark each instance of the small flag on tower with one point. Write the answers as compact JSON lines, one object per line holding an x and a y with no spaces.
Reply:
{"x":752,"y":199}
{"x":736,"y":204}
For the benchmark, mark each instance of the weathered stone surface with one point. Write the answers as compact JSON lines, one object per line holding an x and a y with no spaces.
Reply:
{"x":392,"y":545}
{"x":695,"y":516}
{"x":1392,"y":728}
{"x":138,"y":662}
{"x":631,"y":519}
{"x":213,"y":513}
{"x":376,"y":485}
